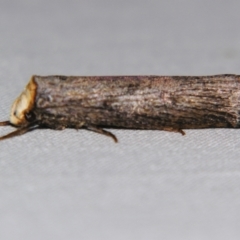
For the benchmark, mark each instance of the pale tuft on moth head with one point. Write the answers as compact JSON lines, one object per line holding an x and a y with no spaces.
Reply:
{"x":19,"y":107}
{"x":23,"y":105}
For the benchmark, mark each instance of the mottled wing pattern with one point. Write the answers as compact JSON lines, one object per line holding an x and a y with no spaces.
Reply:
{"x":146,"y":102}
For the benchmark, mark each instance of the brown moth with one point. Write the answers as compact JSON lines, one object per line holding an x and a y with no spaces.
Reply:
{"x":170,"y":103}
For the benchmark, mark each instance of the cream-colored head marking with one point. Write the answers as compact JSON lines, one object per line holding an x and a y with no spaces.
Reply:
{"x":23,"y":104}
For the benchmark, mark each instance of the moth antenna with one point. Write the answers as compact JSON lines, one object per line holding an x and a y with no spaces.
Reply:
{"x":5,"y":123}
{"x":19,"y":131}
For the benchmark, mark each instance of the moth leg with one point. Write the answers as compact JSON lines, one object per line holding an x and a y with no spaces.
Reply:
{"x":79,"y":125}
{"x":102,"y":131}
{"x":178,"y":130}
{"x":5,"y":123}
{"x":18,"y":132}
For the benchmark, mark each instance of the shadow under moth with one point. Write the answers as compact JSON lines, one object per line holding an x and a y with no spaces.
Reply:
{"x":170,"y":103}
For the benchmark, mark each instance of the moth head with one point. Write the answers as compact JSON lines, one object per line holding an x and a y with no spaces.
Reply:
{"x":21,"y":111}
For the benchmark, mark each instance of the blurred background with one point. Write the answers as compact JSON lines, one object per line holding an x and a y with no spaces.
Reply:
{"x":152,"y":185}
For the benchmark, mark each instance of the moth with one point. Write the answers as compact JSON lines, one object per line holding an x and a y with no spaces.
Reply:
{"x":169,"y":103}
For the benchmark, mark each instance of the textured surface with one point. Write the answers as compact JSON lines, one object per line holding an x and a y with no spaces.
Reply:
{"x":152,"y":185}
{"x":136,"y":102}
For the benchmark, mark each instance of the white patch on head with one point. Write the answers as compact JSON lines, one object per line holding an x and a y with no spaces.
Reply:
{"x":23,"y":104}
{"x":18,"y":109}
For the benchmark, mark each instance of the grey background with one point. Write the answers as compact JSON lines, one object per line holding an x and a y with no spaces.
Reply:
{"x":152,"y":185}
